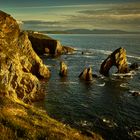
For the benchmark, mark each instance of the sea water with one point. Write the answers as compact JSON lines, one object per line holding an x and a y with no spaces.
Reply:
{"x":105,"y":105}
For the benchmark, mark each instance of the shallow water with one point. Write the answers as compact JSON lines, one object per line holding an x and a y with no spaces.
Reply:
{"x":104,"y":105}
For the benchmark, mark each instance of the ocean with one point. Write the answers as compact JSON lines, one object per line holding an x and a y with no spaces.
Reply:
{"x":105,"y":105}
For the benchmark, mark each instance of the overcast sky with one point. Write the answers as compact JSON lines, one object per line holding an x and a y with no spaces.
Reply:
{"x":71,"y":14}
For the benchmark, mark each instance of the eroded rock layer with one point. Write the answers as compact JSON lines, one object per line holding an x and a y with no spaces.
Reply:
{"x":19,"y":64}
{"x":118,"y":59}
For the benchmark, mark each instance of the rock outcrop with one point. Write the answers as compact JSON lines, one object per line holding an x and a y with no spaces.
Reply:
{"x":63,"y":69}
{"x":43,"y":44}
{"x":86,"y":74}
{"x":19,"y":64}
{"x":118,"y":59}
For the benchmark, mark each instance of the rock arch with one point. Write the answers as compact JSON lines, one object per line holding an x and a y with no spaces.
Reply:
{"x":117,"y":58}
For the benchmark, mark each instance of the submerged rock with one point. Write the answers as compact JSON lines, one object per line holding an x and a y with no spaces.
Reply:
{"x":19,"y":64}
{"x":134,"y":66}
{"x":135,"y":93}
{"x":118,"y":59}
{"x":63,"y":69}
{"x":86,"y":74}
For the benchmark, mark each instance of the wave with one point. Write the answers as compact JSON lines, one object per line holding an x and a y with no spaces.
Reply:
{"x":69,"y":82}
{"x":129,"y":74}
{"x":106,"y":52}
{"x":124,"y":85}
{"x":101,"y":85}
{"x":131,"y":56}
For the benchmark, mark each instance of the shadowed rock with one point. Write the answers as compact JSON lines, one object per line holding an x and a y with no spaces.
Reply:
{"x":86,"y":74}
{"x":118,"y":59}
{"x":63,"y":69}
{"x":134,"y":66}
{"x":44,"y":44}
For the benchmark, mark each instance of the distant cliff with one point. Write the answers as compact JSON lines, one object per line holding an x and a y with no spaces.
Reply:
{"x":87,"y":31}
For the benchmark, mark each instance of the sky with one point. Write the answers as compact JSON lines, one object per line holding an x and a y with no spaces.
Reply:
{"x":74,"y":14}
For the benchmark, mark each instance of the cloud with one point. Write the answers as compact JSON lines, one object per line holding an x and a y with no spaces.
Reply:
{"x":106,"y":16}
{"x":126,"y":17}
{"x":40,"y":22}
{"x":40,"y":25}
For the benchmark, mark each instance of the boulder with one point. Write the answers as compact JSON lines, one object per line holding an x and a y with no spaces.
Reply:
{"x":86,"y":74}
{"x":20,"y":66}
{"x":118,"y":59}
{"x":63,"y":69}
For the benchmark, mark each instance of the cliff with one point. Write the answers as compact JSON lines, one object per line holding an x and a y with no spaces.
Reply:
{"x":43,"y":44}
{"x":20,"y":71}
{"x":19,"y":64}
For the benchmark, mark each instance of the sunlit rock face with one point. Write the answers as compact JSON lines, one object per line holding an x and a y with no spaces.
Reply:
{"x":86,"y":74}
{"x":118,"y":59}
{"x":19,"y":64}
{"x":63,"y":69}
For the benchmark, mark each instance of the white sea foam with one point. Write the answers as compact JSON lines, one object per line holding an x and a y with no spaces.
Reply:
{"x":69,"y":82}
{"x":101,"y":85}
{"x":124,"y":85}
{"x":131,"y":56}
{"x":129,"y":74}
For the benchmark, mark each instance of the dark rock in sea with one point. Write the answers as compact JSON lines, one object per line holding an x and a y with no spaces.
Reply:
{"x":135,"y":93}
{"x":134,"y":66}
{"x":19,"y":64}
{"x":86,"y":74}
{"x":43,"y":44}
{"x":118,"y":59}
{"x":63,"y":69}
{"x":95,"y":76}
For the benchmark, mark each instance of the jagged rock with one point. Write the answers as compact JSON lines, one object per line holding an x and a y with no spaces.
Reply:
{"x":67,"y":50}
{"x":118,"y":59}
{"x":63,"y":69}
{"x":86,"y":74}
{"x":19,"y":64}
{"x":134,"y":66}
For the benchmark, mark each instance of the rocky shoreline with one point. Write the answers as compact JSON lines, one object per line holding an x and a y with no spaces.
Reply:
{"x":20,"y":71}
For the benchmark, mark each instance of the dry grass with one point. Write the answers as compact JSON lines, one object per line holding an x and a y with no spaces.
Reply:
{"x":22,"y":121}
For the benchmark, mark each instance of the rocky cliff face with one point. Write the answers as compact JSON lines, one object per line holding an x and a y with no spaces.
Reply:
{"x":118,"y":59}
{"x":44,"y":44}
{"x":19,"y":64}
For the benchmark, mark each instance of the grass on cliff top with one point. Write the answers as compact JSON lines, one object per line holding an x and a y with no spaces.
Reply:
{"x":22,"y":121}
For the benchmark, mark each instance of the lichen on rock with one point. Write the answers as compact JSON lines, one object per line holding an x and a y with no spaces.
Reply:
{"x":19,"y":64}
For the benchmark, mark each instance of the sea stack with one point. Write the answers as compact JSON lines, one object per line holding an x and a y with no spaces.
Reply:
{"x":118,"y":59}
{"x":63,"y":69}
{"x":86,"y":74}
